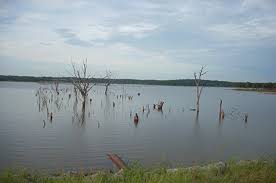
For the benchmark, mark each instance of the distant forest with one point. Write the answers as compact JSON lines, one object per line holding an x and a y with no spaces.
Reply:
{"x":177,"y":82}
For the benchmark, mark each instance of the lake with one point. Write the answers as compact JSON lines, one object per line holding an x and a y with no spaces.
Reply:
{"x":174,"y":136}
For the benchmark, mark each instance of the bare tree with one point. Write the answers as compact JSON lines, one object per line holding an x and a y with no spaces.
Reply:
{"x":108,"y":80}
{"x":55,"y":86}
{"x":82,"y":81}
{"x":220,"y":110}
{"x":199,"y":87}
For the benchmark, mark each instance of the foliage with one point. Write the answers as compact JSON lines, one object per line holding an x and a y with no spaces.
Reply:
{"x":247,"y":171}
{"x":177,"y":82}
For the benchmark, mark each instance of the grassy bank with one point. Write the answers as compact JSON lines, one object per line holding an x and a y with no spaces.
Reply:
{"x":244,"y":171}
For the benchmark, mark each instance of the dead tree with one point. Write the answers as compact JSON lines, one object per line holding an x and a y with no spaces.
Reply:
{"x":55,"y":86}
{"x":82,"y":81}
{"x":220,"y":109}
{"x":108,"y":80}
{"x":198,"y":85}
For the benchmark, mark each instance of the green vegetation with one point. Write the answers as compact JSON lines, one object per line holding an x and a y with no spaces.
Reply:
{"x":178,"y":82}
{"x":244,"y":171}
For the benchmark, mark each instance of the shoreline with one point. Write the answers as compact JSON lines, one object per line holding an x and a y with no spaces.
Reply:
{"x":232,"y":171}
{"x":259,"y":90}
{"x":164,"y":82}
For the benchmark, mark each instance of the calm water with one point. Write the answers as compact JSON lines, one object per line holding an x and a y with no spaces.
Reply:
{"x":29,"y":139}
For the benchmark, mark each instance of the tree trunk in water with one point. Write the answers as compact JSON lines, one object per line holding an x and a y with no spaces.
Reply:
{"x":83,"y":102}
{"x":197,"y":105}
{"x":220,"y":105}
{"x":106,"y":87}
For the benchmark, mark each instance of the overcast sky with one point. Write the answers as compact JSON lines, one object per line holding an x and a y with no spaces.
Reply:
{"x":153,"y":39}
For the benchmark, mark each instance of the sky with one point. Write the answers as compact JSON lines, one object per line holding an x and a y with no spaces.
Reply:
{"x":144,"y":39}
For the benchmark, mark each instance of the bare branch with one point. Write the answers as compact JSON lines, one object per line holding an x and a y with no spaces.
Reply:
{"x":82,"y":80}
{"x":108,"y":80}
{"x":199,"y":88}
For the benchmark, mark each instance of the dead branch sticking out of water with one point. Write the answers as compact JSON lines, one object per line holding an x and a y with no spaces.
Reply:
{"x":199,"y":87}
{"x":55,"y":86}
{"x":50,"y":99}
{"x":245,"y":117}
{"x":82,"y":81}
{"x":136,"y":119}
{"x":159,"y":106}
{"x":108,"y":79}
{"x":221,"y":112}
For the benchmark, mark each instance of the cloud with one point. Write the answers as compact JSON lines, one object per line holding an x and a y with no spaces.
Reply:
{"x":71,"y":38}
{"x":96,"y":34}
{"x":31,"y":18}
{"x":257,"y":4}
{"x":175,"y":37}
{"x":45,"y":44}
{"x":7,"y":19}
{"x":95,"y":31}
{"x":254,"y":29}
{"x":137,"y":30}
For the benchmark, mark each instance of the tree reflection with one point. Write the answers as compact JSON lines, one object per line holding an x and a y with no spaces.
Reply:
{"x":135,"y":123}
{"x":81,"y":110}
{"x":79,"y":115}
{"x":196,"y":125}
{"x":107,"y":107}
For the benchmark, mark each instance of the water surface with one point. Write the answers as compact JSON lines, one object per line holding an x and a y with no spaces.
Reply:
{"x":175,"y":136}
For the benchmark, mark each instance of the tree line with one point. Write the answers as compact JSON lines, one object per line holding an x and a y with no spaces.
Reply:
{"x":177,"y":82}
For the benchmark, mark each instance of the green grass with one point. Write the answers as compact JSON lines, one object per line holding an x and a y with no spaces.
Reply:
{"x":248,"y":171}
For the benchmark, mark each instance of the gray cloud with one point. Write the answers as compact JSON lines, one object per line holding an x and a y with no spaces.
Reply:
{"x":175,"y":35}
{"x":45,"y":43}
{"x":7,"y":19}
{"x":71,"y":38}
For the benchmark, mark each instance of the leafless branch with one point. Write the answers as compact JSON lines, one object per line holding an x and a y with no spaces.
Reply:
{"x":199,"y":87}
{"x":108,"y":80}
{"x":81,"y":80}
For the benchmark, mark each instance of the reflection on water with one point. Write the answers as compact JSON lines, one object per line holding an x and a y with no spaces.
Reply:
{"x":51,"y":101}
{"x":47,"y":127}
